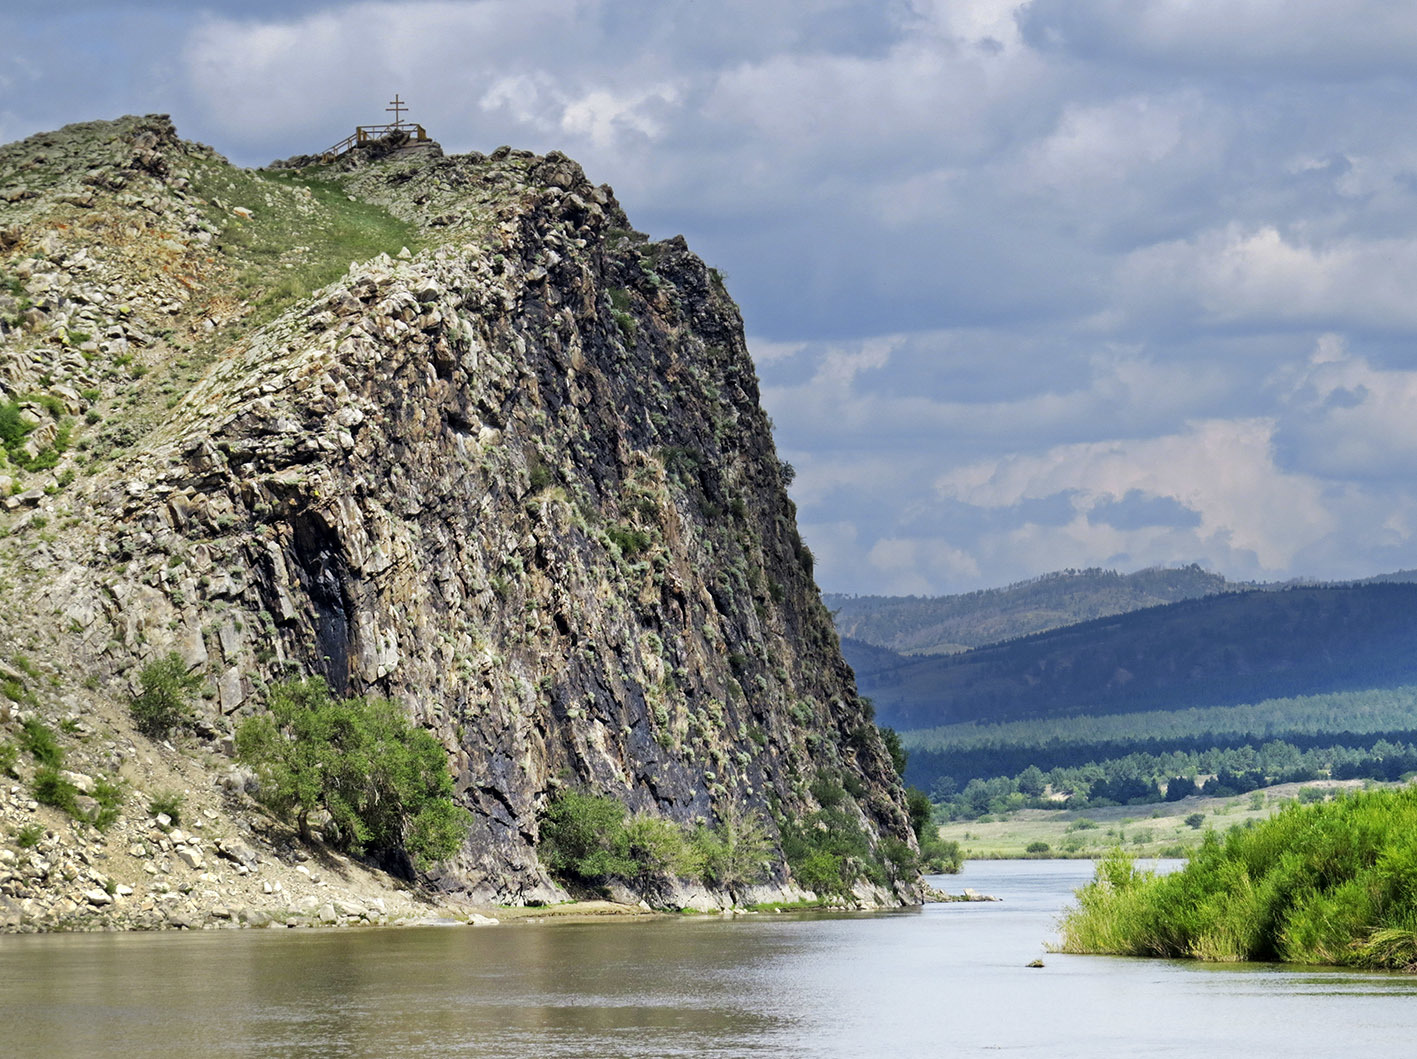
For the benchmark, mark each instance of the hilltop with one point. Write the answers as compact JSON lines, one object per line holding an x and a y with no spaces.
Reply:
{"x":444,"y":429}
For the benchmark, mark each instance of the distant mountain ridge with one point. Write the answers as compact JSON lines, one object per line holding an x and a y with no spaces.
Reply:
{"x":1228,"y":648}
{"x":925,"y":625}
{"x":947,"y":624}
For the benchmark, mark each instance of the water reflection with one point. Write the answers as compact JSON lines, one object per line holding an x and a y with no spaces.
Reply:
{"x":948,"y":980}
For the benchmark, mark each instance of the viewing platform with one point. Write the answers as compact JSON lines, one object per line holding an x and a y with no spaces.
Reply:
{"x":410,"y":134}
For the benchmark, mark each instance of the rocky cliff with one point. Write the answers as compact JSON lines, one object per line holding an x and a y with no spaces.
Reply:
{"x":445,"y":429}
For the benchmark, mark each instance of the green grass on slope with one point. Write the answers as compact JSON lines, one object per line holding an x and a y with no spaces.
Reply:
{"x":303,"y":233}
{"x":1333,"y":883}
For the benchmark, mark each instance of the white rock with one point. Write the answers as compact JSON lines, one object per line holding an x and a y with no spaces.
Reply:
{"x":78,"y":779}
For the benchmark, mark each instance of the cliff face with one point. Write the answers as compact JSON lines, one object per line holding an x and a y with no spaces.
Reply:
{"x":515,"y":477}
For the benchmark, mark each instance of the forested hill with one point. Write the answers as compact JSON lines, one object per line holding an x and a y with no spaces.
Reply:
{"x":947,"y":624}
{"x":1225,"y":649}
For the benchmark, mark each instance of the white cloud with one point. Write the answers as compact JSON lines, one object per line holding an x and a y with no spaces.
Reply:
{"x":264,"y":76}
{"x":602,"y":116}
{"x":1051,"y":254}
{"x":1223,"y":470}
{"x":911,"y":566}
{"x":1346,"y":420}
{"x":766,"y":351}
{"x":1238,"y":275}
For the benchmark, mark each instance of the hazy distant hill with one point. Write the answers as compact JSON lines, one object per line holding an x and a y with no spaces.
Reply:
{"x":1233,"y":647}
{"x":946,"y":624}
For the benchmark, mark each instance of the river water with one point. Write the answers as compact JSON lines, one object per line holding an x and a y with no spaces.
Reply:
{"x":949,"y":980}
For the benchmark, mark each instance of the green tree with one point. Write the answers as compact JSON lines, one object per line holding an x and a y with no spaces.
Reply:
{"x":382,"y":782}
{"x":658,"y":848}
{"x":1032,"y":782}
{"x":583,"y":838}
{"x":166,"y":699}
{"x":891,"y":738}
{"x":735,"y":851}
{"x":936,"y":854}
{"x":921,"y":810}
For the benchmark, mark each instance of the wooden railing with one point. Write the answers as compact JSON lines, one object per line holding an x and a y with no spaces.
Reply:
{"x":369,"y":133}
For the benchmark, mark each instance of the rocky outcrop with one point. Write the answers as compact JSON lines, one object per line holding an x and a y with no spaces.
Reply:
{"x":518,"y":480}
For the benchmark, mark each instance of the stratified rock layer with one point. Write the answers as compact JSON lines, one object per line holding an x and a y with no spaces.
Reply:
{"x":519,"y":481}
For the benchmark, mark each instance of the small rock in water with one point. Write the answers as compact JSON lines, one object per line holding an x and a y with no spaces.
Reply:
{"x":1034,"y":963}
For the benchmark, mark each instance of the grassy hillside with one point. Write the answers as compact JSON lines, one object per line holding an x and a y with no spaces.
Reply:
{"x":979,"y":772}
{"x":916,"y":625}
{"x":1158,"y":829}
{"x":1170,"y":743}
{"x":1378,"y":712}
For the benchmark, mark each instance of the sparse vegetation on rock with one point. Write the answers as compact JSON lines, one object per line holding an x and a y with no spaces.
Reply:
{"x":165,"y":701}
{"x":444,"y":431}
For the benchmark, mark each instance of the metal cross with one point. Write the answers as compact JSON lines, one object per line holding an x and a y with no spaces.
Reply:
{"x":398,"y":107}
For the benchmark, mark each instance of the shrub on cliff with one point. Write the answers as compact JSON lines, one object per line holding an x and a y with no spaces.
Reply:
{"x":658,"y":848}
{"x":583,"y":838}
{"x":39,"y":740}
{"x":828,"y":851}
{"x":50,"y":788}
{"x":382,"y":783}
{"x":166,"y":699}
{"x":734,"y":853}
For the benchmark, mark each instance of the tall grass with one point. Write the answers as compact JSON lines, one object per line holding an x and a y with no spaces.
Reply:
{"x":1334,"y":883}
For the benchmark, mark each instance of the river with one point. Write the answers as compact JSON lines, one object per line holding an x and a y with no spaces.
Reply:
{"x":949,"y":980}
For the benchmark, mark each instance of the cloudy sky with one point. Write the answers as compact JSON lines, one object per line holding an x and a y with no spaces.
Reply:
{"x":1029,"y":285}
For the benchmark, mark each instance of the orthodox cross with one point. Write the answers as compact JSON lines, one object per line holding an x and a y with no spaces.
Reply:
{"x":398,"y":107}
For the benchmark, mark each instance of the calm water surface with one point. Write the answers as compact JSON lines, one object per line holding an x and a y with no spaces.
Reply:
{"x":946,"y":981}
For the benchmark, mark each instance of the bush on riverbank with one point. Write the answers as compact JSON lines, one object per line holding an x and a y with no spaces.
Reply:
{"x":937,"y":855}
{"x":588,"y":839}
{"x":1333,"y":883}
